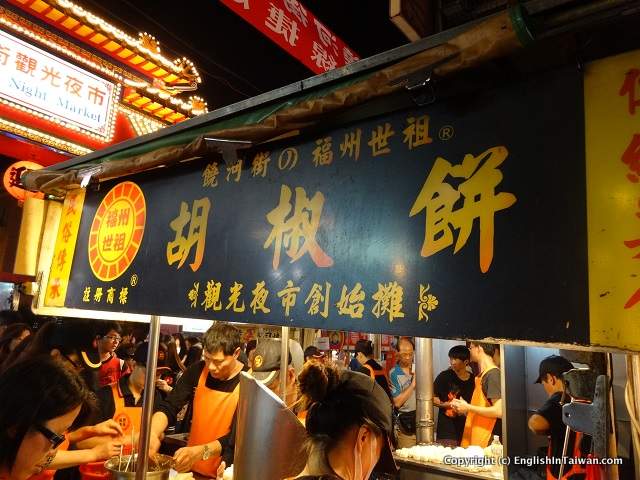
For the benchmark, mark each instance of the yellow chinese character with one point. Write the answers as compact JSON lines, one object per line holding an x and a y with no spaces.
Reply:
{"x":351,"y":303}
{"x":260,"y":294}
{"x":97,"y":297}
{"x":351,"y":144}
{"x":317,"y":297}
{"x":259,"y":164}
{"x":288,"y":294}
{"x":388,"y":301}
{"x":193,"y":294}
{"x":379,"y":142}
{"x":234,"y":296}
{"x":298,"y":232}
{"x":212,"y":296}
{"x":180,"y":248}
{"x":322,"y":154}
{"x":111,"y":293}
{"x":235,"y":169}
{"x":417,"y":132}
{"x":87,"y":294}
{"x":288,"y":159}
{"x":426,"y":303}
{"x":210,"y":175}
{"x":438,"y":198}
{"x":124,"y":293}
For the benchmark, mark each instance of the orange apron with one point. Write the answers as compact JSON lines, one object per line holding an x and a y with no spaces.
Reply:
{"x":478,"y":428}
{"x":212,"y":416}
{"x":110,"y":371}
{"x":127,"y":417}
{"x":575,"y":469}
{"x":48,"y":474}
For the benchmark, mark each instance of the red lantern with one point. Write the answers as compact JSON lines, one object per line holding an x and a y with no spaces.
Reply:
{"x":11,"y":179}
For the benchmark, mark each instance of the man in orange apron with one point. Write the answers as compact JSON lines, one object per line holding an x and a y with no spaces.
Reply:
{"x":485,"y":410}
{"x":213,"y":386}
{"x":548,"y":421}
{"x":122,"y":401}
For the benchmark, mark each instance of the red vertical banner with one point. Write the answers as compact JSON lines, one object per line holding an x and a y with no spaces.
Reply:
{"x":290,"y":25}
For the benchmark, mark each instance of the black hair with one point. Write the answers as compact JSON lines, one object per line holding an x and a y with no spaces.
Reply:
{"x":11,"y":333}
{"x":33,"y":392}
{"x":102,"y":328}
{"x":251,"y":345}
{"x":180,"y":338}
{"x":332,"y":409}
{"x":365,"y":347}
{"x":488,"y":348}
{"x":460,"y":352}
{"x":222,"y":337}
{"x":173,"y":359}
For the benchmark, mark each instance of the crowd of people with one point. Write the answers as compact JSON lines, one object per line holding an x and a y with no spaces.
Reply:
{"x":72,"y":395}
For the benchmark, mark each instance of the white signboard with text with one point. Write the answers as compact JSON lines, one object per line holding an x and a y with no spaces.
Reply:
{"x":62,"y":92}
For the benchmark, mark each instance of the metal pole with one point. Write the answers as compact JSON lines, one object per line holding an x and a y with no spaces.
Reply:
{"x":149,"y":392}
{"x":284,"y":362}
{"x":424,"y":390}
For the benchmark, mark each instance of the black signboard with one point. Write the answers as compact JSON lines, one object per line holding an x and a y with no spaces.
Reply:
{"x":465,"y":219}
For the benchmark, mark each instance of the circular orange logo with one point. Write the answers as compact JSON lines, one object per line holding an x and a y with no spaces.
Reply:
{"x":123,"y":420}
{"x":117,"y":230}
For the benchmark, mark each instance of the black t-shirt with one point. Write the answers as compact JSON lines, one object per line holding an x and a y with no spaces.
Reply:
{"x":380,"y":378}
{"x":552,"y":413}
{"x":447,"y":386}
{"x":492,"y":389}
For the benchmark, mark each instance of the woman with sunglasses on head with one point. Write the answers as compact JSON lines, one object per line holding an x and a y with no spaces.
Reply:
{"x":41,"y":401}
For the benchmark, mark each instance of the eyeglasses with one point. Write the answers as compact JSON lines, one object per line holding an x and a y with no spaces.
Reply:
{"x":114,"y":338}
{"x":54,"y":438}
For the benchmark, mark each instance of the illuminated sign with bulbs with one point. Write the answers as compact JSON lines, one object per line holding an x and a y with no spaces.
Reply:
{"x":36,"y":82}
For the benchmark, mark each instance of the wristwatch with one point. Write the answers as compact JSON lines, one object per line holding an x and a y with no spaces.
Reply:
{"x":206,"y":453}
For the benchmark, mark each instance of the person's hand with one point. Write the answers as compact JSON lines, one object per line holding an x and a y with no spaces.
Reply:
{"x":460,"y":405}
{"x":220,"y":472}
{"x":163,"y":385}
{"x":185,"y":458}
{"x":106,"y":450}
{"x":108,"y":427}
{"x":413,"y":382}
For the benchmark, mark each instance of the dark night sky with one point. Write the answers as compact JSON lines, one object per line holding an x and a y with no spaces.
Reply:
{"x":235,"y":60}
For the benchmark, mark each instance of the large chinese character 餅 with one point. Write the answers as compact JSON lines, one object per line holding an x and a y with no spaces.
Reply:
{"x":179,"y":249}
{"x":297,"y":233}
{"x":481,"y":176}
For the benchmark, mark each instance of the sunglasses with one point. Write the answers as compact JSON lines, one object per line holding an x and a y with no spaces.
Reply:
{"x":54,"y":438}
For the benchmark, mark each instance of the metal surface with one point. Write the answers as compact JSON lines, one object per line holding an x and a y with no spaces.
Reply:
{"x":580,"y":383}
{"x":115,"y":466}
{"x":149,"y":393}
{"x":284,"y":361}
{"x":414,"y":470}
{"x":424,"y":390}
{"x":591,"y":418}
{"x":269,"y":438}
{"x":635,"y":382}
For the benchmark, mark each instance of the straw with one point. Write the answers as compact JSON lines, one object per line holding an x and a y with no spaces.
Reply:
{"x":133,"y":450}
{"x":120,"y":459}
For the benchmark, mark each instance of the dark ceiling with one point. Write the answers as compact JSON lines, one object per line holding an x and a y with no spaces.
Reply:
{"x":235,"y":60}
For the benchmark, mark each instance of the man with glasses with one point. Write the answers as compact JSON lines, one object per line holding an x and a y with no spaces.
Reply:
{"x":403,"y":390}
{"x":108,"y":337}
{"x":213,"y":386}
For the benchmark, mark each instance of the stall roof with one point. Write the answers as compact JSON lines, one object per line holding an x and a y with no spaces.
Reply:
{"x":303,"y":104}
